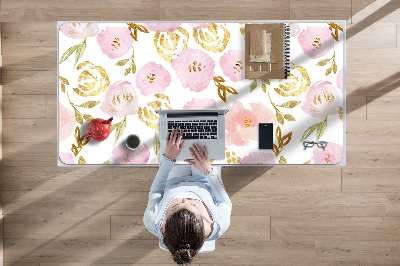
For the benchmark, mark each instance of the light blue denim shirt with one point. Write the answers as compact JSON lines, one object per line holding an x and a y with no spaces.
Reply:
{"x":209,"y":188}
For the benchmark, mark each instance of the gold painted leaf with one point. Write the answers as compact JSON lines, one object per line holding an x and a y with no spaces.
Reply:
{"x":289,"y":117}
{"x":87,"y":117}
{"x":113,"y":126}
{"x":107,"y":162}
{"x":63,"y":87}
{"x":334,"y":67}
{"x":282,"y":160}
{"x":323,"y":62}
{"x":74,"y":150}
{"x":156,"y":143}
{"x":286,"y":139}
{"x":81,"y":160}
{"x":64,"y":80}
{"x":127,"y":71}
{"x":122,"y":62}
{"x":89,"y":104}
{"x":142,"y":28}
{"x":328,"y":71}
{"x":80,"y":50}
{"x":69,"y":52}
{"x":78,"y":117}
{"x":340,"y":113}
{"x":290,"y":104}
{"x":275,"y":150}
{"x":218,"y":79}
{"x":264,"y":87}
{"x":309,"y":131}
{"x":231,"y":90}
{"x":133,"y":67}
{"x":120,"y":130}
{"x":253,"y":85}
{"x":162,"y":96}
{"x":266,"y":81}
{"x":321,"y":128}
{"x":77,"y":133}
{"x":308,"y":162}
{"x":280,"y":118}
{"x":222,"y":92}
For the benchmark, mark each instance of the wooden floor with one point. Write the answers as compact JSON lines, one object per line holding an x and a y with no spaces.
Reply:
{"x":281,"y":215}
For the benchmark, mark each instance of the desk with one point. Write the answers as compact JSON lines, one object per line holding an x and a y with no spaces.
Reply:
{"x":129,"y":70}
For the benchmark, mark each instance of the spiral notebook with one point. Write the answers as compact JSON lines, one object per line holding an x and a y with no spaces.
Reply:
{"x":267,"y":48}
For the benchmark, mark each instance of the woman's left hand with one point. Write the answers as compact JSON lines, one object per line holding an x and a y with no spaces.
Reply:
{"x":174,"y":144}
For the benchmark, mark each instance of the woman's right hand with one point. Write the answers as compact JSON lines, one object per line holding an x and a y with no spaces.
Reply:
{"x":200,"y":159}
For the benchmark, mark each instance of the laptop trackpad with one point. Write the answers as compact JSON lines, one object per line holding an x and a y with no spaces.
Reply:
{"x":186,"y":152}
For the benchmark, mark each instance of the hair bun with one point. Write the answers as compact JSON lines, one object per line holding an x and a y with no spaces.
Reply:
{"x":184,"y":245}
{"x":183,"y":255}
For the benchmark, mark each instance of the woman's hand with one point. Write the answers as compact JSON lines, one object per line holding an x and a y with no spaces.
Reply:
{"x":174,"y":145}
{"x":200,"y":160}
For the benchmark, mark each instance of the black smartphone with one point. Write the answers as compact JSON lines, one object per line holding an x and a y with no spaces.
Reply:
{"x":265,"y":135}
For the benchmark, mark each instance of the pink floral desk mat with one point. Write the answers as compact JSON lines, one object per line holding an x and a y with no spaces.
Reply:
{"x":129,"y":70}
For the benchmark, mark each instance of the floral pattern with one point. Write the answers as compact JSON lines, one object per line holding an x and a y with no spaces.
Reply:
{"x":152,"y":78}
{"x":194,"y":68}
{"x":322,"y":100}
{"x":120,"y":100}
{"x":79,"y":30}
{"x":115,"y":42}
{"x":316,"y":42}
{"x":129,"y":70}
{"x":232,"y":64}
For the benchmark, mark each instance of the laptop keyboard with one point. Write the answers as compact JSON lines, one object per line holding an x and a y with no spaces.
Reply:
{"x":196,"y":129}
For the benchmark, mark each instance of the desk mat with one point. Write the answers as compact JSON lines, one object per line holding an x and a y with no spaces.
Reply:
{"x":127,"y":70}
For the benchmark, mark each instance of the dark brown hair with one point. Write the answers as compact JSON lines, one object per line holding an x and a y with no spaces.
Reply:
{"x":184,"y":235}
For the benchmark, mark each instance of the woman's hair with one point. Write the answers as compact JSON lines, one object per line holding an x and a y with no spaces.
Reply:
{"x":184,"y":235}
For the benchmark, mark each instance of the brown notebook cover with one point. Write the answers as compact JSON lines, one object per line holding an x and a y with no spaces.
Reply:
{"x":267,"y":51}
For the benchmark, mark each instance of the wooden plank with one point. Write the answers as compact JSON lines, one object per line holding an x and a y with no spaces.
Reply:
{"x":286,"y":180}
{"x":358,"y":6}
{"x":373,"y":132}
{"x":42,"y":11}
{"x":21,"y":264}
{"x":33,"y":202}
{"x":380,"y":31}
{"x":374,"y":75}
{"x":107,"y":203}
{"x":383,"y":108}
{"x":22,"y":154}
{"x":41,"y":62}
{"x":40,"y":130}
{"x":227,"y":251}
{"x":47,"y":178}
{"x":30,"y":82}
{"x":381,"y":180}
{"x":309,"y":204}
{"x":356,"y":108}
{"x":129,"y":227}
{"x":35,"y":34}
{"x":53,"y":226}
{"x":112,"y":264}
{"x":51,"y":106}
{"x":309,"y":10}
{"x":364,"y":252}
{"x":226,"y":10}
{"x":393,"y":204}
{"x":335,"y":228}
{"x":384,"y":155}
{"x":24,"y":106}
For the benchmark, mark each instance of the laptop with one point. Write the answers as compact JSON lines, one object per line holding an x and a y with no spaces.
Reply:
{"x":204,"y":127}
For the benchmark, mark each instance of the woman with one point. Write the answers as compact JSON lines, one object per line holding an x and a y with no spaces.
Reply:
{"x":187,"y":204}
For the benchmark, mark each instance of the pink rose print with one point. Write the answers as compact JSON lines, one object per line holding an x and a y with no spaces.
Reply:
{"x":198,"y":104}
{"x":66,"y":158}
{"x":258,"y":158}
{"x":66,"y":122}
{"x":242,"y":124}
{"x":322,"y":100}
{"x":120,"y":100}
{"x":197,"y":26}
{"x":332,"y":154}
{"x":194,"y":68}
{"x":339,"y":80}
{"x":122,"y":155}
{"x":162,"y":27}
{"x":232,"y":65}
{"x":316,"y":42}
{"x":79,"y":30}
{"x":115,"y":42}
{"x":152,"y":78}
{"x":294,"y":29}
